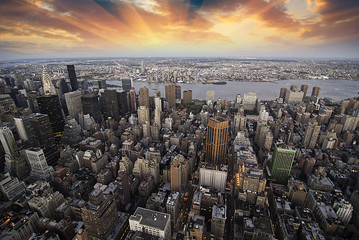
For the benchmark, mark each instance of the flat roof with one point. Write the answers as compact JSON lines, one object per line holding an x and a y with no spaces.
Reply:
{"x":151,"y":218}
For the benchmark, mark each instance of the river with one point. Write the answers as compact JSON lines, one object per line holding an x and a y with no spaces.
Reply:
{"x":335,"y":89}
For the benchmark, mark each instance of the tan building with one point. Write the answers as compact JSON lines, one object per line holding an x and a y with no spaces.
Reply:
{"x":171,"y":95}
{"x":217,"y":140}
{"x":187,"y":96}
{"x":144,"y":99}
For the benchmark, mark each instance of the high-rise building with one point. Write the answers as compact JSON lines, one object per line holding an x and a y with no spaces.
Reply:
{"x":11,"y":187}
{"x":178,"y":92}
{"x":304,"y":89}
{"x":283,"y":92}
{"x":123,"y":100}
{"x":143,"y":115}
{"x":249,"y":101}
{"x":210,"y":94}
{"x":179,"y":173}
{"x":173,"y":206}
{"x":217,"y":140}
{"x":46,"y":82}
{"x":152,"y":222}
{"x":158,"y":117}
{"x":125,"y":186}
{"x":41,"y":126}
{"x":72,"y":76}
{"x":99,"y":215}
{"x":90,"y":105}
{"x":293,"y":96}
{"x":218,"y":223}
{"x":187,"y":96}
{"x":109,"y":104}
{"x":171,"y":95}
{"x":282,"y":162}
{"x":311,"y":135}
{"x":50,"y":105}
{"x":7,"y":104}
{"x":213,"y":177}
{"x":158,"y":103}
{"x":144,"y":99}
{"x":133,"y":100}
{"x":127,"y":84}
{"x":74,"y":104}
{"x":38,"y":164}
{"x":315,"y":91}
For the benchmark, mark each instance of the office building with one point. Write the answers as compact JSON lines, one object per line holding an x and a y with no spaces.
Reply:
{"x":40,"y":125}
{"x":173,"y":206}
{"x":210,"y":95}
{"x":293,"y":96}
{"x":283,"y":92}
{"x":144,"y":167}
{"x":216,"y":140}
{"x":125,"y":187}
{"x":144,"y":99}
{"x":218,"y":223}
{"x":133,"y":100}
{"x":38,"y":164}
{"x":72,"y":134}
{"x":123,"y":101}
{"x":72,"y":77}
{"x":249,"y":101}
{"x":50,"y":105}
{"x":74,"y":104}
{"x":47,"y":83}
{"x":304,"y":89}
{"x":158,"y":117}
{"x":11,"y":187}
{"x":178,"y":92}
{"x":7,"y":104}
{"x":311,"y":135}
{"x":170,"y":90}
{"x":179,"y":173}
{"x":90,"y":105}
{"x":110,"y":106}
{"x":187,"y":96}
{"x":282,"y":162}
{"x":151,"y":222}
{"x":315,"y":91}
{"x":215,"y":179}
{"x":62,"y":87}
{"x":127,"y":84}
{"x":143,"y":115}
{"x":99,"y":215}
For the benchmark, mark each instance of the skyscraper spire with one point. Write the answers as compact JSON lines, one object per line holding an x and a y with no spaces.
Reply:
{"x":46,"y":82}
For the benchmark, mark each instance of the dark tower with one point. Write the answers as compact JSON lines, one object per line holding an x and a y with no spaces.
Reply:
{"x":90,"y":105}
{"x":72,"y":76}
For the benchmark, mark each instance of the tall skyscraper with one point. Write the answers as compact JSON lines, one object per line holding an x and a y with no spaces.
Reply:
{"x":110,"y":104}
{"x":217,"y":140}
{"x":178,"y":92}
{"x":283,"y":92}
{"x":187,"y":96}
{"x":50,"y":105}
{"x":171,"y":95}
{"x":74,"y":105}
{"x":311,"y":135}
{"x":144,"y":99}
{"x":210,"y":96}
{"x":282,"y":162}
{"x":46,"y":82}
{"x":127,"y":84}
{"x":91,"y":106}
{"x":72,"y":76}
{"x":304,"y":89}
{"x":133,"y":100}
{"x":315,"y":91}
{"x":123,"y":101}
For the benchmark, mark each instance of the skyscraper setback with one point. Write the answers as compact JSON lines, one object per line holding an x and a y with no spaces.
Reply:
{"x":216,"y":140}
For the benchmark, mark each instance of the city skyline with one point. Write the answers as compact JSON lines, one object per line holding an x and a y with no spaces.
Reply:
{"x":162,"y":28}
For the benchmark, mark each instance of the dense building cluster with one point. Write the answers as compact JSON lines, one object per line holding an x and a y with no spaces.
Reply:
{"x":98,"y":163}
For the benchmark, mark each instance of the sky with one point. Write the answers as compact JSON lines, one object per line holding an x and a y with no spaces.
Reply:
{"x":179,"y":28}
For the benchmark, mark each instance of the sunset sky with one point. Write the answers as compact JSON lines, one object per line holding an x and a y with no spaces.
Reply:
{"x":127,"y":28}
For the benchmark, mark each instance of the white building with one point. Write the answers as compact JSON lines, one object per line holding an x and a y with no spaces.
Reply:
{"x":143,"y":115}
{"x":38,"y":164}
{"x":210,"y":96}
{"x":213,"y":178}
{"x":73,"y":103}
{"x":10,"y":187}
{"x":249,"y":100}
{"x":344,"y":210}
{"x":169,"y":123}
{"x":152,"y":222}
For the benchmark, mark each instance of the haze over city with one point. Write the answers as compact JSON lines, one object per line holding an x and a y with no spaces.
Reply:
{"x":279,"y":28}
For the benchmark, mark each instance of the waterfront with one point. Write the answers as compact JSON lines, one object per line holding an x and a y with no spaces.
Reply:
{"x":335,"y":89}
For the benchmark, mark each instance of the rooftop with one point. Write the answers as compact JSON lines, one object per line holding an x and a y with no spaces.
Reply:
{"x":151,"y":218}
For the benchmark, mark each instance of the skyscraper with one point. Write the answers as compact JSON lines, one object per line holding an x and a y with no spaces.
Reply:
{"x":46,"y":82}
{"x":282,"y":162}
{"x":304,"y":89}
{"x":187,"y":96}
{"x":127,"y":84}
{"x":178,"y":92}
{"x":216,"y":140}
{"x":74,"y":105}
{"x":133,"y":100}
{"x":38,"y":164}
{"x":91,"y":106}
{"x":171,"y":95}
{"x":210,"y":96}
{"x":72,"y":76}
{"x":110,"y":104}
{"x":283,"y":92}
{"x":143,"y":115}
{"x":50,"y":105}
{"x":315,"y":91}
{"x":144,"y":99}
{"x":122,"y":98}
{"x":311,"y":135}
